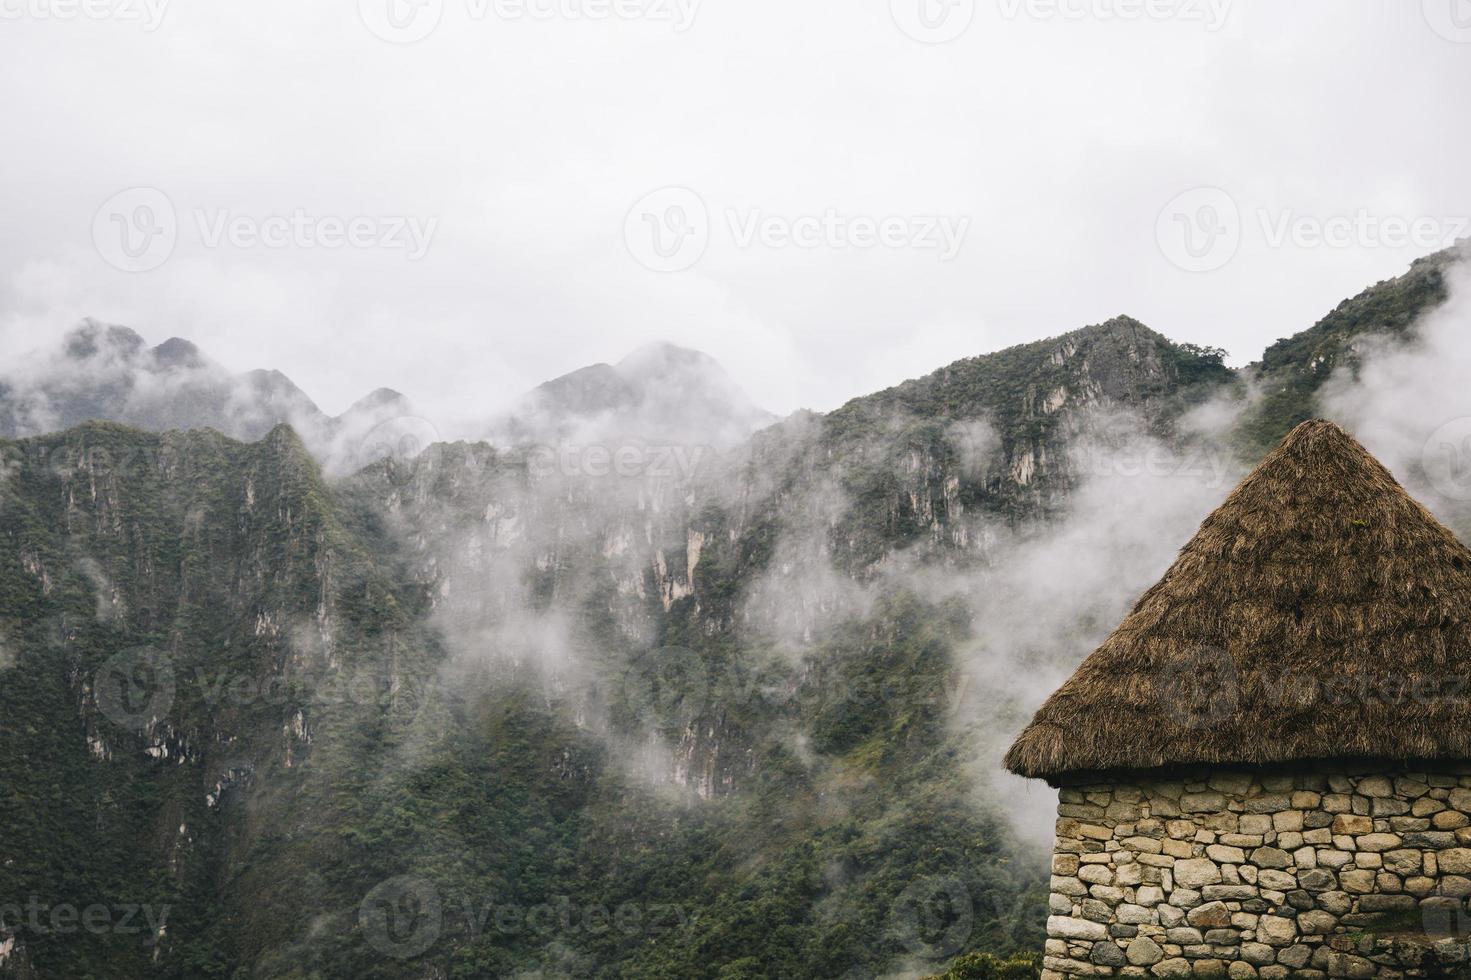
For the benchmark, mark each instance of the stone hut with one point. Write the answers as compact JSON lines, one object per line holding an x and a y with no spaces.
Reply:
{"x":1265,"y":771}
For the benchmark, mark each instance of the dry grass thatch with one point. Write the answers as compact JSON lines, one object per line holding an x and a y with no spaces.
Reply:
{"x":1320,"y":613}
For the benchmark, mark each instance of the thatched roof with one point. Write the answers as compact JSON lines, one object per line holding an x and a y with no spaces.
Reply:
{"x":1320,"y":613}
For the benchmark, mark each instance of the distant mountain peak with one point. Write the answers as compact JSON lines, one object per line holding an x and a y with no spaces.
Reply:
{"x":176,"y":352}
{"x":102,"y":371}
{"x":92,"y":337}
{"x":378,"y":399}
{"x":663,"y":355}
{"x":659,"y":392}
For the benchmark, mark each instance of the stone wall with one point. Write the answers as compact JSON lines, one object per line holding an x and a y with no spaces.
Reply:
{"x":1260,"y":874}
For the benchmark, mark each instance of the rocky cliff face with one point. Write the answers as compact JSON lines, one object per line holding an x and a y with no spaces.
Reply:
{"x":173,"y":605}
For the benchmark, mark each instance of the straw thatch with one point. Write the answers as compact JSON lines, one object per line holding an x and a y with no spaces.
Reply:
{"x":1320,"y":613}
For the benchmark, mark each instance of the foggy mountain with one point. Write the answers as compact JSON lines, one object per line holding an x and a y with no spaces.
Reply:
{"x":106,"y":372}
{"x":659,"y":395}
{"x":701,"y":703}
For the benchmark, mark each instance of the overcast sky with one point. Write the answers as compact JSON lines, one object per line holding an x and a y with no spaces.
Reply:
{"x":829,"y":196}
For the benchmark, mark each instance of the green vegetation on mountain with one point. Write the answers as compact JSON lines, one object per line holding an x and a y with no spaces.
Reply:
{"x":1292,"y":370}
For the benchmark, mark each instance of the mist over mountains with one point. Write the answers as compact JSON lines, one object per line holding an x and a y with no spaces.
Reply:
{"x":108,"y":372}
{"x":660,"y":395}
{"x":364,"y":719}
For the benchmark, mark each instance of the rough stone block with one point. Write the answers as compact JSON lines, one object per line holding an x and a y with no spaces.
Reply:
{"x":1255,"y":823}
{"x":1177,"y":848}
{"x":1402,"y":862}
{"x":1196,"y":872}
{"x":1295,"y":957}
{"x":1454,"y":861}
{"x":1348,"y":823}
{"x":1277,"y":880}
{"x":1450,"y":820}
{"x":1213,"y":915}
{"x":1222,"y":854}
{"x":1144,"y":952}
{"x":1316,"y":923}
{"x":1379,"y":842}
{"x":1131,"y":914}
{"x":1285,"y":820}
{"x":1274,"y":930}
{"x":1064,"y":927}
{"x":1387,"y":903}
{"x":1207,"y":802}
{"x":1272,"y":857}
{"x":1267,"y":803}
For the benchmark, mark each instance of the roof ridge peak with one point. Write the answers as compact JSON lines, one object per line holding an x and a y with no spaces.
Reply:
{"x":1317,"y":556}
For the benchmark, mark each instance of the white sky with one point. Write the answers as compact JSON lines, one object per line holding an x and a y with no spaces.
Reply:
{"x":1060,"y":131}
